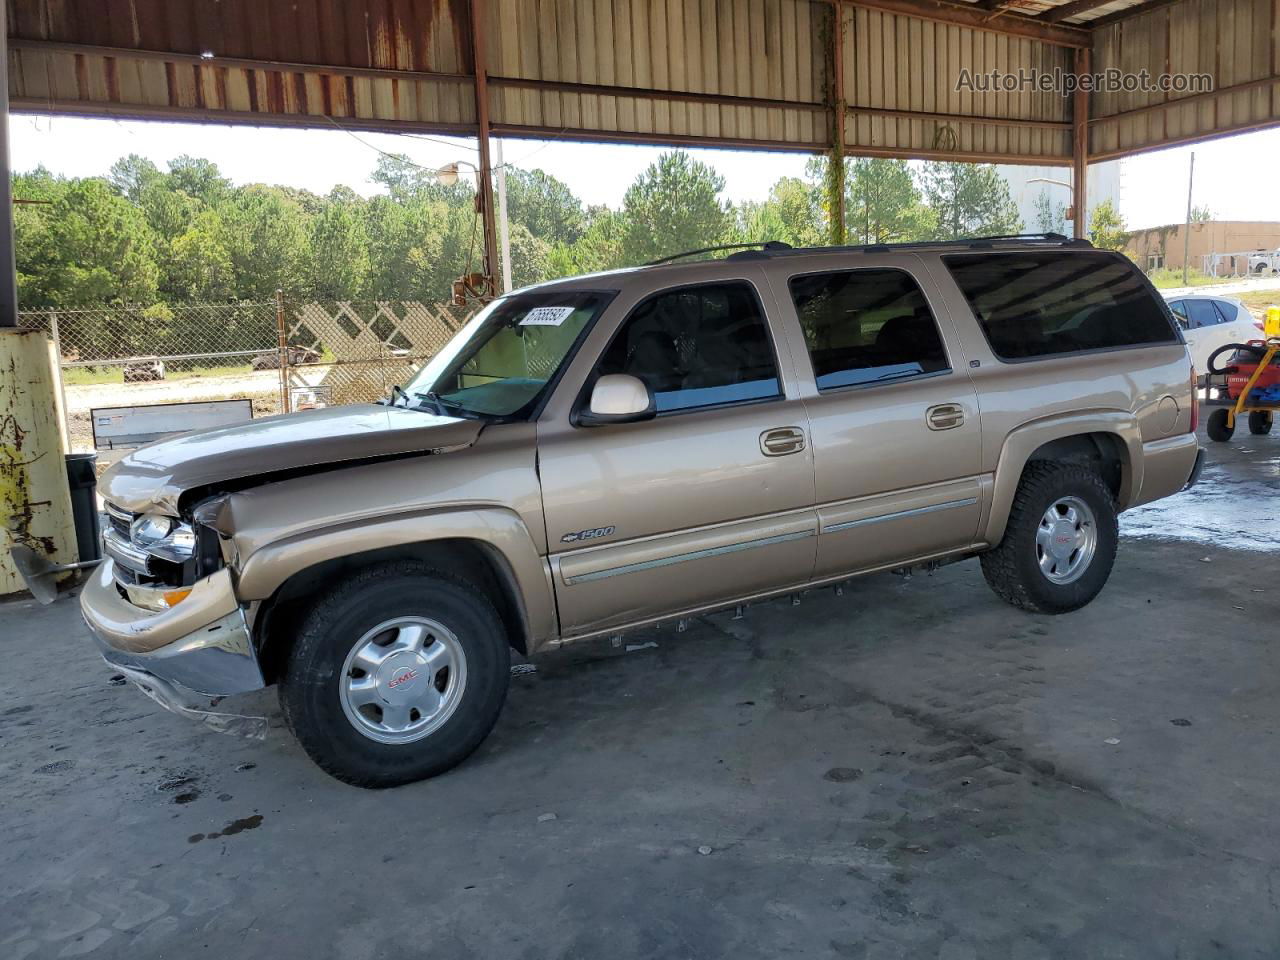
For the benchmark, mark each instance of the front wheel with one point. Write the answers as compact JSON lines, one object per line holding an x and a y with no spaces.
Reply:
{"x":1060,"y":542}
{"x":1260,"y":422}
{"x":1218,"y":428}
{"x":396,"y":675}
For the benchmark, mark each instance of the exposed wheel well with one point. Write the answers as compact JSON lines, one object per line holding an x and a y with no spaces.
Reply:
{"x":471,"y":560}
{"x":1103,"y":451}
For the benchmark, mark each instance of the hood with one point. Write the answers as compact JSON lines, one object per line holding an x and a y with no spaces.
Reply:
{"x":158,"y":474}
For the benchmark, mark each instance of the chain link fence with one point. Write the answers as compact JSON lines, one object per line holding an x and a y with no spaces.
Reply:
{"x":332,"y":352}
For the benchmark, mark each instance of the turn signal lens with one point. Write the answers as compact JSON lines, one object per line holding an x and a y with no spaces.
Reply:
{"x":174,"y":597}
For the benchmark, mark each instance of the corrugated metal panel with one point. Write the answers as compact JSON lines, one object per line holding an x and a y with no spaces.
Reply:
{"x":763,"y":50}
{"x":898,"y":63}
{"x":754,"y":72}
{"x":1235,"y":41}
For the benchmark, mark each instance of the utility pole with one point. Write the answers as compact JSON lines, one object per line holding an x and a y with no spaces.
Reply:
{"x":1186,"y":227}
{"x":504,"y":231}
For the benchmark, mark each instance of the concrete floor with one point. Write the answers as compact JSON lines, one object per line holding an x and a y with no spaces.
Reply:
{"x":910,"y":770}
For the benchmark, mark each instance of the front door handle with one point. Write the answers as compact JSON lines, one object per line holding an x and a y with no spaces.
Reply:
{"x":944,"y":416}
{"x":781,"y":441}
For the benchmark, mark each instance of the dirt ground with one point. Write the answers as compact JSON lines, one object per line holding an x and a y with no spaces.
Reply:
{"x":911,"y":770}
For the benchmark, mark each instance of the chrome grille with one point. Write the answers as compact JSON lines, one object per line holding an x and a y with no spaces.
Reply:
{"x":130,"y":562}
{"x":119,"y":520}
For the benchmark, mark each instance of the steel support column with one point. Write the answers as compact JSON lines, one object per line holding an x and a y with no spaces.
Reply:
{"x":484,"y":185}
{"x":835,"y":167}
{"x":1080,"y":148}
{"x":8,"y":268}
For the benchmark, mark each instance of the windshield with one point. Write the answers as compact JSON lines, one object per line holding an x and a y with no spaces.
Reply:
{"x":499,"y":365}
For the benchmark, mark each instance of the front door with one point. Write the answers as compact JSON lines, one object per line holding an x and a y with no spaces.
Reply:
{"x":709,"y":501}
{"x":893,"y":415}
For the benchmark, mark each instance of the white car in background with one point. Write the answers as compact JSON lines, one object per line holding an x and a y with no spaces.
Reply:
{"x":1210,"y":322}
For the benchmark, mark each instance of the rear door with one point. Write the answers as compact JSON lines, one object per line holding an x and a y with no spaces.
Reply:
{"x":894,"y":417}
{"x":709,"y":501}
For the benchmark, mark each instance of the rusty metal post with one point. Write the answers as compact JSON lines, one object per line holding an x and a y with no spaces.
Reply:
{"x":8,"y":267}
{"x":484,"y":186}
{"x":1080,"y":148}
{"x":839,"y":112}
{"x":282,"y":344}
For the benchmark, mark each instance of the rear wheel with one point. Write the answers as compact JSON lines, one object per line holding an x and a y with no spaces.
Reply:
{"x":1260,"y":422}
{"x":1060,"y":542}
{"x":1218,"y":428}
{"x":396,"y":675}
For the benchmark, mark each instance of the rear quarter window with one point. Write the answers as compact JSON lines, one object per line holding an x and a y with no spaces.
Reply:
{"x":1044,"y":304}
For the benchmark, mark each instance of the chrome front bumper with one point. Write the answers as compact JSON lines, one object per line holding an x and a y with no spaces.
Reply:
{"x":202,"y":644}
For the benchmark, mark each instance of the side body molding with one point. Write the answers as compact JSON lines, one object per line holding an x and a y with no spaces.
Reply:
{"x":1023,"y":441}
{"x":499,"y":529}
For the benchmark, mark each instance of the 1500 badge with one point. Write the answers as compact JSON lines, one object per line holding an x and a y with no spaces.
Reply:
{"x":587,"y":534}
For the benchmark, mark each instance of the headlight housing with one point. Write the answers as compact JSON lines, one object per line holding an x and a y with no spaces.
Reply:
{"x":166,"y":538}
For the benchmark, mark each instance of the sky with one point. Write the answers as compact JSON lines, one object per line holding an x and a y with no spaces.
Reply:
{"x":1153,"y":186}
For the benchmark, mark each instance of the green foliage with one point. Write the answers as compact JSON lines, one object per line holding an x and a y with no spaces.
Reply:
{"x":673,"y":206}
{"x":83,"y":244}
{"x":267,"y":243}
{"x":1050,"y":217}
{"x":968,"y":200}
{"x":883,"y":204}
{"x":1167,"y":277}
{"x":339,"y":257}
{"x":545,"y":206}
{"x":149,"y":237}
{"x":1201,"y":214}
{"x":1106,"y":227}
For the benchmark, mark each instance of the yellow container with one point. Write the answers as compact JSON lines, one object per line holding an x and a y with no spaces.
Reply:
{"x":1271,"y":325}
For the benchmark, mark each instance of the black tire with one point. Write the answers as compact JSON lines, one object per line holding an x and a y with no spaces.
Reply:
{"x":1217,"y":428}
{"x":1260,"y":422}
{"x":1012,"y":569}
{"x":309,"y":688}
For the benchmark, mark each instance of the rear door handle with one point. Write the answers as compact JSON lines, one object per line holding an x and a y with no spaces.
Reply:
{"x":781,"y":441}
{"x":944,"y":416}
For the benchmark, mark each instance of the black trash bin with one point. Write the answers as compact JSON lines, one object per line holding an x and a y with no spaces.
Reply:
{"x":82,"y":476}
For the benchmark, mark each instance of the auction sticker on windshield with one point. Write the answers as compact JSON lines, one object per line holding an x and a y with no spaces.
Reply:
{"x":547,"y":316}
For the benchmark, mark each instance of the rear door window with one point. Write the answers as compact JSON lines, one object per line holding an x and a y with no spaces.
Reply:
{"x":866,"y":326}
{"x":1203,"y":314}
{"x":1228,"y":310}
{"x":1044,"y":304}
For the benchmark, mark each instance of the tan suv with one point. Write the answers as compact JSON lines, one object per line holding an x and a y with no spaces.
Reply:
{"x":600,"y":453}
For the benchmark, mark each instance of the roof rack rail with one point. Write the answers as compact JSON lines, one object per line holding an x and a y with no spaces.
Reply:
{"x":972,"y":243}
{"x":766,"y":245}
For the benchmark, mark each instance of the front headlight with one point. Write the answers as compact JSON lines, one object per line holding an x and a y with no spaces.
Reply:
{"x":166,"y":538}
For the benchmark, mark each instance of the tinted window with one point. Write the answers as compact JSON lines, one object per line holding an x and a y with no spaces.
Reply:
{"x":1041,"y":304}
{"x":1179,"y":309}
{"x":697,"y":347}
{"x":864,"y":326}
{"x":1202,"y":313}
{"x":1228,"y":310}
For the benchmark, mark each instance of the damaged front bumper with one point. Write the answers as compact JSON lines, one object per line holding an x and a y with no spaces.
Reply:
{"x":200,"y":648}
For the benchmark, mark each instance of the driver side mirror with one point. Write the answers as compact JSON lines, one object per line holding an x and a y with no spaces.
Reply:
{"x":618,"y":398}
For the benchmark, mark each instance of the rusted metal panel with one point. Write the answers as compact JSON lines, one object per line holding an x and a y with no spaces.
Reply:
{"x":738,"y":69}
{"x":1234,"y":41}
{"x":901,"y":77}
{"x":745,"y":72}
